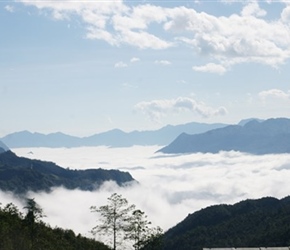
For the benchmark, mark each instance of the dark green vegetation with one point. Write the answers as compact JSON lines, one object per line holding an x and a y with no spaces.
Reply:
{"x":252,"y":223}
{"x":25,"y":232}
{"x":268,"y":137}
{"x":19,"y":174}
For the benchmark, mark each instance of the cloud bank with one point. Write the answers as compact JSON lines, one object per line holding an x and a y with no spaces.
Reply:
{"x":242,"y":37}
{"x":171,"y":186}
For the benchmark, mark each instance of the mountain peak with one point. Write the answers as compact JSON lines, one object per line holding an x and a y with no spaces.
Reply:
{"x":245,"y":121}
{"x":267,"y":137}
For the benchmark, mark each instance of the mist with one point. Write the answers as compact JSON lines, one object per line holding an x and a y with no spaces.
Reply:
{"x":169,"y":186}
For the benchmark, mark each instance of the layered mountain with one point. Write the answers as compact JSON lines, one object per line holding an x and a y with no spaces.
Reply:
{"x":19,"y":175}
{"x":271,"y":136}
{"x":251,"y":223}
{"x":28,"y":139}
{"x":112,"y":138}
{"x":3,"y":147}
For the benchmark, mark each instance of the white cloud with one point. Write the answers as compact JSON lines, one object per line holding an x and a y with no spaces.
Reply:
{"x":211,"y":68}
{"x":162,"y":62}
{"x":253,"y":9}
{"x":121,"y":65}
{"x":158,"y":108}
{"x":131,"y":86}
{"x":170,"y":187}
{"x":9,"y":8}
{"x":274,"y":93}
{"x":134,"y":59}
{"x":285,"y":15}
{"x":239,"y":38}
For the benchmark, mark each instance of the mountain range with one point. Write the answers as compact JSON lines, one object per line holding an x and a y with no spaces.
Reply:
{"x":271,"y":136}
{"x":263,"y":222}
{"x":19,"y":175}
{"x":3,"y":147}
{"x":112,"y":138}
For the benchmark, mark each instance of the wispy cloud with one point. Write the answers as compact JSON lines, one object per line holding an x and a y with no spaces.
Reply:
{"x":211,"y":68}
{"x":274,"y":93}
{"x":134,"y":59}
{"x":163,"y":62}
{"x":128,"y":85}
{"x":240,"y":38}
{"x":158,"y":108}
{"x":9,"y":8}
{"x":121,"y":65}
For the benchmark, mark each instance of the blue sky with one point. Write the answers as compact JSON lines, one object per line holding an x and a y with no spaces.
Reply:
{"x":83,"y":67}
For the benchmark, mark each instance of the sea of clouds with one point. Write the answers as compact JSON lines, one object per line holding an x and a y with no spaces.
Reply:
{"x":169,"y":186}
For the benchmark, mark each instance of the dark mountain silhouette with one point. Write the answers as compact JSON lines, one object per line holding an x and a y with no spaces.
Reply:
{"x":251,"y":223}
{"x":268,"y":137}
{"x":19,"y":175}
{"x":112,"y":138}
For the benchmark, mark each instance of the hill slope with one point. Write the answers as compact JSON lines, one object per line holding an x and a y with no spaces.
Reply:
{"x":20,"y":174}
{"x":251,"y":223}
{"x":17,"y":234}
{"x":270,"y":136}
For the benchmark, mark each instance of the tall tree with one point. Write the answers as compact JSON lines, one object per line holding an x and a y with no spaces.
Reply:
{"x":34,"y":214}
{"x":34,"y":211}
{"x":115,"y":218}
{"x":138,"y":230}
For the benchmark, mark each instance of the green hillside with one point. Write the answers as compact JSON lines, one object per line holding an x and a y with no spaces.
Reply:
{"x":16,"y":233}
{"x":251,"y":223}
{"x":19,"y":175}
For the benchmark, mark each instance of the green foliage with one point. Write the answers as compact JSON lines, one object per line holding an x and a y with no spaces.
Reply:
{"x":15,"y":233}
{"x":34,"y":211}
{"x":251,"y":223}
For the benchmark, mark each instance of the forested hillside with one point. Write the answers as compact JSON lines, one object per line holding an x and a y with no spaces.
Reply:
{"x":18,"y":232}
{"x":19,"y":175}
{"x":251,"y":223}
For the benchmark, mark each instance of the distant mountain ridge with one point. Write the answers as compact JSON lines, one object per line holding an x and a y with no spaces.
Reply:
{"x":19,"y":175}
{"x":271,"y":136}
{"x":112,"y":138}
{"x":251,"y":223}
{"x":3,"y":147}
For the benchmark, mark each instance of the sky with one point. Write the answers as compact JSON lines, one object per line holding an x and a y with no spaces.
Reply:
{"x":170,"y":186}
{"x":84,"y":67}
